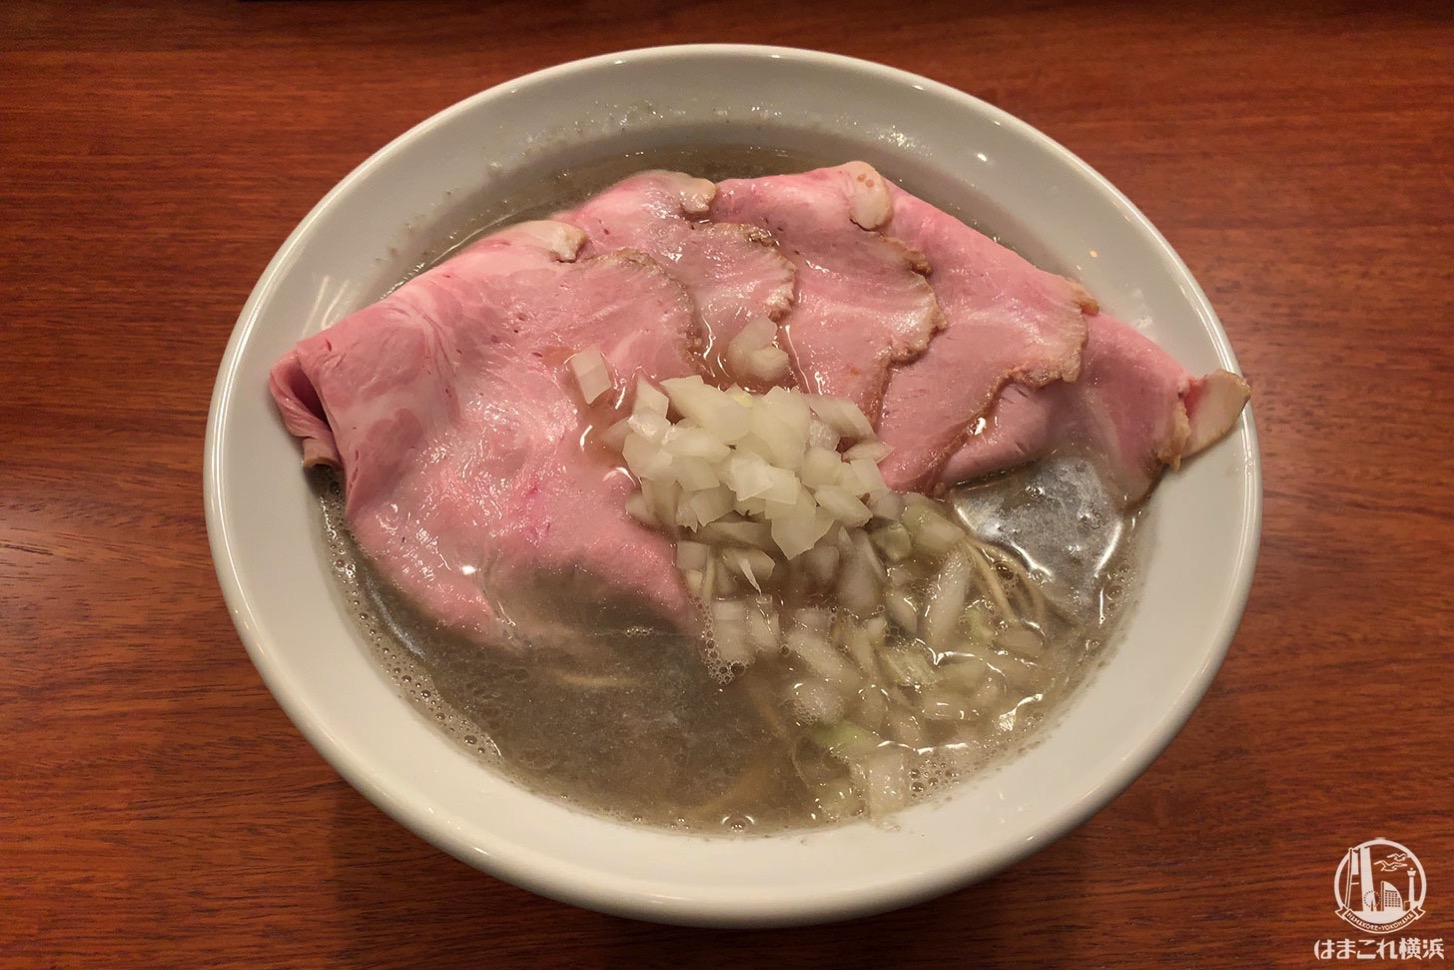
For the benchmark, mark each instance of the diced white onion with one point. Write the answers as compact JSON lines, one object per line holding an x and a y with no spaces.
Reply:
{"x":842,"y":415}
{"x":821,"y":658}
{"x":966,"y":672}
{"x":820,"y":467}
{"x":871,"y":708}
{"x":814,"y":702}
{"x":646,"y":461}
{"x":748,"y":475}
{"x":692,"y":555}
{"x":893,"y":541}
{"x":820,"y":435}
{"x":856,"y":641}
{"x":792,"y":409}
{"x":782,"y":486}
{"x":762,"y":625}
{"x":837,"y":799}
{"x":663,"y":496}
{"x":729,"y":632}
{"x":694,"y":474}
{"x":822,"y":562}
{"x":649,"y":426}
{"x":859,"y":588}
{"x":753,"y":507}
{"x":710,"y":407}
{"x":758,"y":335}
{"x":684,"y":442}
{"x":729,"y":611}
{"x":883,"y":777}
{"x":846,"y":741}
{"x":592,"y":374}
{"x":767,"y":366}
{"x":780,"y":423}
{"x":613,"y":437}
{"x":941,"y":702}
{"x":904,"y":728}
{"x":863,"y":548}
{"x":753,"y":565}
{"x":900,"y":576}
{"x":842,"y":505}
{"x":874,"y":451}
{"x":649,"y":398}
{"x":723,"y":584}
{"x":755,"y":534}
{"x":931,"y":531}
{"x":907,"y":665}
{"x":799,"y":530}
{"x":1026,"y":643}
{"x":988,"y":697}
{"x":814,"y":618}
{"x":869,"y":477}
{"x":638,"y":509}
{"x":946,"y":600}
{"x":801,"y":504}
{"x":887,"y":505}
{"x":1019,"y":674}
{"x":708,"y":505}
{"x":901,"y":609}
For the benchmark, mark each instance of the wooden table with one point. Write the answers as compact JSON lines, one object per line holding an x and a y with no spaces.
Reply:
{"x":157,"y":808}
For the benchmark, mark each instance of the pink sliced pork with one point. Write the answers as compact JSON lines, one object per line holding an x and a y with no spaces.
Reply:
{"x":449,"y":409}
{"x":862,"y":301}
{"x":1007,"y":321}
{"x":733,"y":273}
{"x":1133,"y":408}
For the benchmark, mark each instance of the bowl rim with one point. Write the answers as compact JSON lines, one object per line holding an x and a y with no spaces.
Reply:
{"x":615,"y":895}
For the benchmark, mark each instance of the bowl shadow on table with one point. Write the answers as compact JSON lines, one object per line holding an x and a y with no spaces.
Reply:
{"x":400,"y":900}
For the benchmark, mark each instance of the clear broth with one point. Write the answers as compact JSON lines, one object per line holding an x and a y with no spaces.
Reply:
{"x":632,"y":722}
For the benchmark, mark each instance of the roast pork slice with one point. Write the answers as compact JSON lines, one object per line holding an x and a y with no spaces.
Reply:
{"x":1133,"y":409}
{"x":1007,"y":321}
{"x":734,"y":273}
{"x":522,"y":246}
{"x":451,"y":412}
{"x":862,"y":301}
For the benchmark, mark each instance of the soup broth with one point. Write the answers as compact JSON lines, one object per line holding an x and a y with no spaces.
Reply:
{"x":632,"y":722}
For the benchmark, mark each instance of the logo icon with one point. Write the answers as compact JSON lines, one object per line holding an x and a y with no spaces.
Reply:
{"x":1379,"y":886}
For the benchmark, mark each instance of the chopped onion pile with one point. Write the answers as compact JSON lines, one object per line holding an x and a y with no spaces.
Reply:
{"x":766,"y":467}
{"x":906,"y":650}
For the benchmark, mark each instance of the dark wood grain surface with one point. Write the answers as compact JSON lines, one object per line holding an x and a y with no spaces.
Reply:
{"x":158,"y":809}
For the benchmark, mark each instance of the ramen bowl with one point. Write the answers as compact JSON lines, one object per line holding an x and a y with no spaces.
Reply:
{"x":1201,"y":528}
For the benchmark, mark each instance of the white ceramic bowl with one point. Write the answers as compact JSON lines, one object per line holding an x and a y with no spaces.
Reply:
{"x":1033,"y":193}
